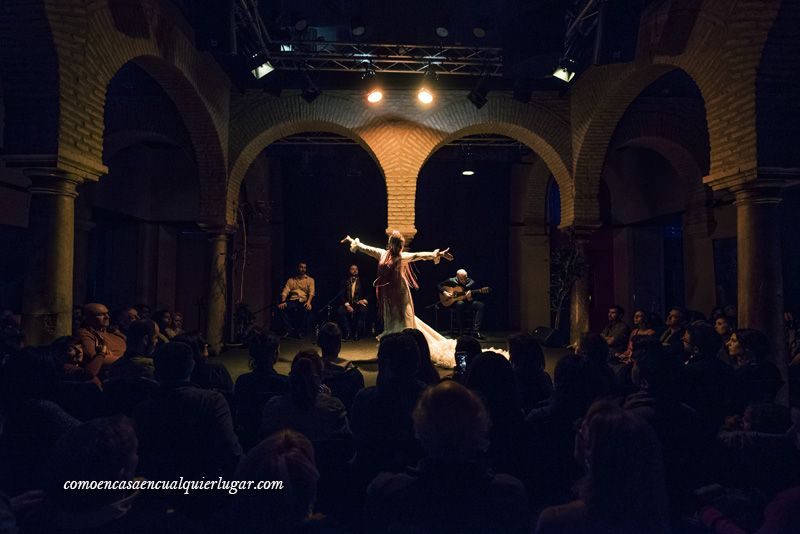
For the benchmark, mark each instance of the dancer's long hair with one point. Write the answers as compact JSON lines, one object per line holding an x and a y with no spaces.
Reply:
{"x":395,"y":244}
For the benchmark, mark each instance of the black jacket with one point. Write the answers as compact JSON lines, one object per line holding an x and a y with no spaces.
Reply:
{"x":360,"y":291}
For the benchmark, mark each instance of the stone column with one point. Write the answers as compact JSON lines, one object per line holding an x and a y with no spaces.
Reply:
{"x":217,"y":287}
{"x":579,"y":298}
{"x":83,"y":227}
{"x":47,"y":296}
{"x":759,"y":268}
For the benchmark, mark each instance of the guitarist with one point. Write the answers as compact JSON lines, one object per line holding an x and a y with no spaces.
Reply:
{"x":461,"y":280}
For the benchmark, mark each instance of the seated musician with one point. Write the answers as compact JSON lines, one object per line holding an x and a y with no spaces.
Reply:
{"x":460,"y":286}
{"x":352,"y":313}
{"x":295,"y":305}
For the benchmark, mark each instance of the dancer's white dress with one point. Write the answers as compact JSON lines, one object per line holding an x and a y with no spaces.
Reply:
{"x":394,"y":284}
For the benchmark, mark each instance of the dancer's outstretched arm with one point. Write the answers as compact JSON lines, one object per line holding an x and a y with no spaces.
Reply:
{"x":358,"y":246}
{"x":435,"y":256}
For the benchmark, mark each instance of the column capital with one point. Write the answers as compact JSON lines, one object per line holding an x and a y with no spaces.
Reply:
{"x":777,"y":177}
{"x":85,"y":168}
{"x":52,"y":181}
{"x":582,"y":230}
{"x":757,"y":192}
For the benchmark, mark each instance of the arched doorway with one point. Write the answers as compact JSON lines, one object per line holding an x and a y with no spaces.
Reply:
{"x":656,"y":240}
{"x":494,"y":220}
{"x":301,"y":195}
{"x":137,"y":240}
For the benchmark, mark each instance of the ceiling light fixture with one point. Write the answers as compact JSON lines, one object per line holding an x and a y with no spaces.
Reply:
{"x":373,"y":91}
{"x":425,"y":93}
{"x":565,"y":70}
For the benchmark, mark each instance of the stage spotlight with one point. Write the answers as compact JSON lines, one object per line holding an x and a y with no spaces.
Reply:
{"x":357,"y":26}
{"x":425,"y":93}
{"x":259,"y":65}
{"x":565,"y":70}
{"x":262,"y":70}
{"x":372,"y":90}
{"x":478,"y":95}
{"x":310,"y":91}
{"x":467,"y":172}
{"x":425,"y":96}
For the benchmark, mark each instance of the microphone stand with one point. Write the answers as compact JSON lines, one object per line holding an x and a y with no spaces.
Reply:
{"x":328,"y":308}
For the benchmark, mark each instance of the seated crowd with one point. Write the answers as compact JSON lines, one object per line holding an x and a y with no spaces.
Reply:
{"x":685,"y":427}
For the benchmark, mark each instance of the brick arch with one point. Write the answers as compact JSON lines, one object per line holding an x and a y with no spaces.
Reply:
{"x":539,"y":128}
{"x":609,"y":91}
{"x":704,"y":39}
{"x":154,"y":35}
{"x":259,"y":128}
{"x":683,"y":144}
{"x":556,"y":165}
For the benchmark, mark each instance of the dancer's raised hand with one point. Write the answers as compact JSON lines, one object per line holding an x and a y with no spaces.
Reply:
{"x":347,"y":239}
{"x":446,"y":254}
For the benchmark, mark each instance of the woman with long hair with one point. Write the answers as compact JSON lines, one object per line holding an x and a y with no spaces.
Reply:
{"x":395,"y":279}
{"x":623,"y":490}
{"x":426,"y":372}
{"x":393,"y":287}
{"x":308,"y":407}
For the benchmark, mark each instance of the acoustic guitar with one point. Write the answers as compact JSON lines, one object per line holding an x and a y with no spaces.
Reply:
{"x":458,"y":294}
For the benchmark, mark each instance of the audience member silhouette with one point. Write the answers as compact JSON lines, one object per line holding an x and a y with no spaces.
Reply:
{"x":286,"y":456}
{"x":595,"y":352}
{"x":308,"y":407}
{"x":426,"y":372}
{"x":33,"y":421}
{"x":137,"y":362}
{"x":344,"y":381}
{"x":449,"y":490}
{"x":757,"y":379}
{"x":102,"y":450}
{"x":551,"y":433}
{"x":206,"y":374}
{"x":534,"y":385}
{"x":492,"y":378}
{"x":254,"y":389}
{"x":623,"y":489}
{"x":184,"y":430}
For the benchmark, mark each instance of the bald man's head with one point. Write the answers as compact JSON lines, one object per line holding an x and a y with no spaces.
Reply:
{"x":95,"y":315}
{"x":461,"y":274}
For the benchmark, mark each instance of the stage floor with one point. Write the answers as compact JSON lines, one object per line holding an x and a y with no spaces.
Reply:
{"x":362,"y":352}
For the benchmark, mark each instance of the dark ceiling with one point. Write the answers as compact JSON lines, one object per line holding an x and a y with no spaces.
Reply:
{"x":531,"y":34}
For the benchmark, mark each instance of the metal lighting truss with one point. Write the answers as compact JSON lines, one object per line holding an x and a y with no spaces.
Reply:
{"x":388,"y":58}
{"x":325,"y":138}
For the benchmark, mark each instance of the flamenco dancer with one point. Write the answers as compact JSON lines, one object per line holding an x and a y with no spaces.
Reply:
{"x":393,"y":284}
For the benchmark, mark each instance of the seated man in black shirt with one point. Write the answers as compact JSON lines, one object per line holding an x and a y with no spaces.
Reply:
{"x":352,"y":313}
{"x":461,"y":280}
{"x":616,"y":332}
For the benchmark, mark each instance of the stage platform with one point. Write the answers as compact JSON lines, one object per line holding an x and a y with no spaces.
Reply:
{"x":363,"y":353}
